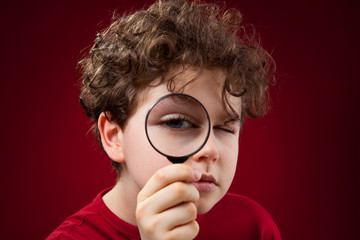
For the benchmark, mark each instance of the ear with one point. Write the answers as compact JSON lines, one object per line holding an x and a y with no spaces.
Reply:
{"x":111,"y":138}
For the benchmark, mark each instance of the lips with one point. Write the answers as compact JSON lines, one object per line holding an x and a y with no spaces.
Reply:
{"x":207,"y":183}
{"x":207,"y":178}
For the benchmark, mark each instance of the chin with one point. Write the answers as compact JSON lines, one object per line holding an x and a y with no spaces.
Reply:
{"x":205,"y":204}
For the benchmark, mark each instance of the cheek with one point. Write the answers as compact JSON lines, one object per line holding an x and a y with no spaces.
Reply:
{"x":229,"y":157}
{"x":141,"y":159}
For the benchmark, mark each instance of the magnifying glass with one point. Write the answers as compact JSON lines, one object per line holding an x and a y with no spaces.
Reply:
{"x":177,"y":126}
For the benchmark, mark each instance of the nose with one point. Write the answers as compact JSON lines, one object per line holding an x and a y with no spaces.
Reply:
{"x":210,"y":151}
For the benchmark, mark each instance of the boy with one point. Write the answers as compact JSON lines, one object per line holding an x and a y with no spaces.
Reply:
{"x":174,"y":46}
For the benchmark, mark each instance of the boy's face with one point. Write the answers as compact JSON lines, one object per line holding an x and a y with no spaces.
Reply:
{"x":216,"y":160}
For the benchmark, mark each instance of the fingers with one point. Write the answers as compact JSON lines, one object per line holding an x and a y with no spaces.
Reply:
{"x":175,"y":223}
{"x":168,"y":187}
{"x":166,"y":204}
{"x":174,"y":194}
{"x":182,"y":214}
{"x":167,"y":175}
{"x":184,"y":232}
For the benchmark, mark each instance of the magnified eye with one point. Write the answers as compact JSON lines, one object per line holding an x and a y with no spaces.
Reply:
{"x":178,"y":122}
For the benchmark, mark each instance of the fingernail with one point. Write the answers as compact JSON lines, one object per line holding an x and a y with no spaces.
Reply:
{"x":197,"y":175}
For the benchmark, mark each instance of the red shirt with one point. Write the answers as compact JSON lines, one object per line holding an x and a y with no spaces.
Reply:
{"x":232,"y":217}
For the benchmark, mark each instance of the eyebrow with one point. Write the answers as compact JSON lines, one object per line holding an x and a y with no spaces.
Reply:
{"x":232,"y":119}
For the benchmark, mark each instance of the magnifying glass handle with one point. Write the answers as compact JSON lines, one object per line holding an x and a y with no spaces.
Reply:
{"x":177,"y":159}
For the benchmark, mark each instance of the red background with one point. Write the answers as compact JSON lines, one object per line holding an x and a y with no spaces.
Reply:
{"x":300,"y":162}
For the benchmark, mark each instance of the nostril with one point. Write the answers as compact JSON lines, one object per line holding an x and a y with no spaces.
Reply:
{"x":207,"y":154}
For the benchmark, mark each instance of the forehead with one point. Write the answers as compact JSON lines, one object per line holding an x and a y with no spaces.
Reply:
{"x":206,"y":85}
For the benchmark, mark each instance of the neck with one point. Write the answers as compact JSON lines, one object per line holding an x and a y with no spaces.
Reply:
{"x":122,"y":199}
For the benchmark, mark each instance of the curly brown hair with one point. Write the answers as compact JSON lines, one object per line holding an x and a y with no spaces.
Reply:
{"x":140,"y":47}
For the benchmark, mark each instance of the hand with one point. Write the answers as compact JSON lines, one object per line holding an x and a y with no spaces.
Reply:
{"x":166,"y":205}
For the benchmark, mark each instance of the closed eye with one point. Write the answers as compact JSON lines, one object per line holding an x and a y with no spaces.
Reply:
{"x":226,"y":129}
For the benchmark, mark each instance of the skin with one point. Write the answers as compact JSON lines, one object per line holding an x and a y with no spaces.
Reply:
{"x":161,"y":198}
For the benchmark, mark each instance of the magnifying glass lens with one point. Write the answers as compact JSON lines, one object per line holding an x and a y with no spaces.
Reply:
{"x":177,"y":125}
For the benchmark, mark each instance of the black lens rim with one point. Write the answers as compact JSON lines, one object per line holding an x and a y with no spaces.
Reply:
{"x":180,"y":159}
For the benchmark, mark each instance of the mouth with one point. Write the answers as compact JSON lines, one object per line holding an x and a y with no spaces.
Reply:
{"x":207,"y":183}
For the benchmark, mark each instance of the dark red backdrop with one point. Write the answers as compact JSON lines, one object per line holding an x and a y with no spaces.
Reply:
{"x":300,"y":162}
